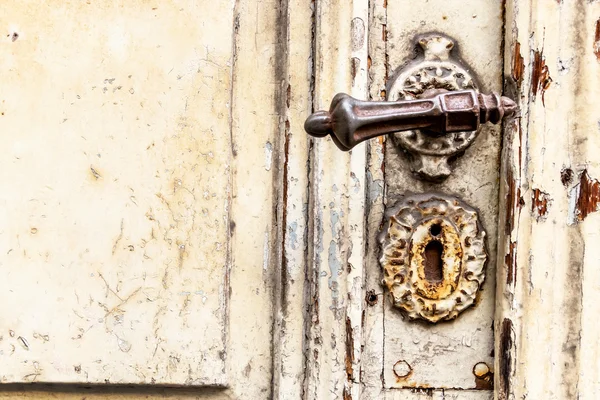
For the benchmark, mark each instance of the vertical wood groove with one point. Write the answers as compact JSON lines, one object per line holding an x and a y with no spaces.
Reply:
{"x":337,"y":210}
{"x":547,"y":279}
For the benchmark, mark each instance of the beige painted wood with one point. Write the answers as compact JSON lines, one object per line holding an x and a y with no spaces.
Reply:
{"x":337,"y":210}
{"x":248,"y":102}
{"x":547,"y":325}
{"x":255,"y":265}
{"x":115,"y":194}
{"x":295,"y":66}
{"x":372,"y":355}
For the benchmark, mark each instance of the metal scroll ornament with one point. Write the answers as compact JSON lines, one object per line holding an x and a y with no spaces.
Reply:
{"x":433,"y":256}
{"x":434,"y":70}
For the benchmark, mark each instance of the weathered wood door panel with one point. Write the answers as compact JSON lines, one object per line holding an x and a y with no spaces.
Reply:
{"x":165,"y":221}
{"x":144,"y":215}
{"x":116,"y":194}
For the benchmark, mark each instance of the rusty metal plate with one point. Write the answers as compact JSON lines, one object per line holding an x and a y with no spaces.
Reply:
{"x":433,"y":256}
{"x":435,"y":67}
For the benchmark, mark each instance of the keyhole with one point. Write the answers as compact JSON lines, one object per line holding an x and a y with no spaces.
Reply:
{"x":433,"y":261}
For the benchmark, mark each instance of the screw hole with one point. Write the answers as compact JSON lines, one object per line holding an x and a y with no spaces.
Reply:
{"x":435,"y":229}
{"x":371,"y":297}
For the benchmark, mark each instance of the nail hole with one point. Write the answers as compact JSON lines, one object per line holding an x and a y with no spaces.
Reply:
{"x":371,"y":297}
{"x":435,"y":229}
{"x":433,"y":261}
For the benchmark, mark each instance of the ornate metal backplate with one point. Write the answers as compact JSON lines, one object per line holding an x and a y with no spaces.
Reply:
{"x":433,"y":70}
{"x":433,"y":256}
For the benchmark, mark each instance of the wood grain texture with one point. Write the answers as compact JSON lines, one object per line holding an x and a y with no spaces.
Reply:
{"x":294,"y":71}
{"x":336,"y":211}
{"x":546,"y":331}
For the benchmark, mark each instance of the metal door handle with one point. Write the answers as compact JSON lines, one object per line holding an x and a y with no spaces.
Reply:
{"x":350,"y":121}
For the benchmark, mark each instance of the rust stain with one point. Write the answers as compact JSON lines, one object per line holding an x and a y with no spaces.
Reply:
{"x":540,"y":202}
{"x":442,"y":245}
{"x":514,"y":202}
{"x":422,"y":257}
{"x":403,"y":370}
{"x":354,"y":67}
{"x":506,"y":358}
{"x":347,"y":394}
{"x":518,"y":64}
{"x":589,"y":196}
{"x":349,"y":350}
{"x":95,"y":174}
{"x":540,"y":77}
{"x":484,"y":377}
{"x":510,"y":260}
{"x":597,"y":41}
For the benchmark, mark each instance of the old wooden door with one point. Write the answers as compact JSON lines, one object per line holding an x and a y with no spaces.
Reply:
{"x":168,"y":230}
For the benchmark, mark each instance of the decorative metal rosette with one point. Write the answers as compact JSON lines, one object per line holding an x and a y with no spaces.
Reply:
{"x":433,"y":256}
{"x":433,"y":70}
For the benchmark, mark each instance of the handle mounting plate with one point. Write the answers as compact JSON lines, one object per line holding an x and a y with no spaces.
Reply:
{"x":435,"y":68}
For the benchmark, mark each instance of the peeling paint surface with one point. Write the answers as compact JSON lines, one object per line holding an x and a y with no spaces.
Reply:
{"x":588,"y":196}
{"x":540,"y":204}
{"x":540,"y":75}
{"x":125,"y":181}
{"x":336,"y":262}
{"x":547,"y":289}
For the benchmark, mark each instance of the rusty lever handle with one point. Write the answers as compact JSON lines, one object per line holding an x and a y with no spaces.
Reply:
{"x":350,"y":121}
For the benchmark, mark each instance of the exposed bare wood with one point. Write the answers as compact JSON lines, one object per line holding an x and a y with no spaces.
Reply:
{"x":336,"y":214}
{"x":547,"y":268}
{"x":294,"y":80}
{"x":372,"y":356}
